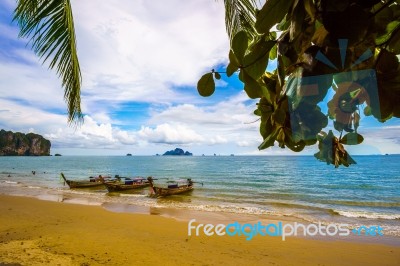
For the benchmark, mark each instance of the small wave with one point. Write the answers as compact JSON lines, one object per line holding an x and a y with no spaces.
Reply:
{"x":132,"y":195}
{"x":11,"y":182}
{"x":361,"y":203}
{"x":368,"y":215}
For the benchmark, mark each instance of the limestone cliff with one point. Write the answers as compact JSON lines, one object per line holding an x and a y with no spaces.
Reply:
{"x":19,"y":144}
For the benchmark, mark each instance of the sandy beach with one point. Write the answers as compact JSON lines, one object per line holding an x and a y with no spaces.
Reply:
{"x":36,"y":232}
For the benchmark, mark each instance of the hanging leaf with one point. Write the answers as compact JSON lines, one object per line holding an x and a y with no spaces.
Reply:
{"x":281,"y":71}
{"x":255,"y":62}
{"x":252,"y":87}
{"x":352,"y":139}
{"x":273,"y":52}
{"x":50,"y":26}
{"x":206,"y":85}
{"x":269,"y":140}
{"x":271,"y":13}
{"x":310,"y":8}
{"x":217,"y":75}
{"x":239,"y":45}
{"x":297,"y":20}
{"x":279,"y":116}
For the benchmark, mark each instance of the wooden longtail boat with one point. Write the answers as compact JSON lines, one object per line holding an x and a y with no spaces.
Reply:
{"x":127,"y":184}
{"x":92,"y":182}
{"x":173,"y":188}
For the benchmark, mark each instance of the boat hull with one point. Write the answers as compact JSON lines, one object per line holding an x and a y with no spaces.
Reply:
{"x":83,"y":184}
{"x":162,"y":192}
{"x":117,"y":187}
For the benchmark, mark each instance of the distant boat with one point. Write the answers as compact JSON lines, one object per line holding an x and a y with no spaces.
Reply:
{"x":173,"y":187}
{"x":128,"y":154}
{"x":92,"y":182}
{"x":126,"y":184}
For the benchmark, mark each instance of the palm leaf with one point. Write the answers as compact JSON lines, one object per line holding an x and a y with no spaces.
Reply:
{"x":50,"y":25}
{"x":240,"y":15}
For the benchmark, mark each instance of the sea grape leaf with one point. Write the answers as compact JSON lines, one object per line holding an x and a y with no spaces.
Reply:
{"x":233,"y":65}
{"x":279,"y":116}
{"x":206,"y":85}
{"x":352,"y":139}
{"x":297,"y":20}
{"x":392,"y":26}
{"x":281,"y":71}
{"x":310,"y":8}
{"x":273,"y":53}
{"x":240,"y":43}
{"x":255,"y":62}
{"x":252,"y":87}
{"x":271,"y":13}
{"x":217,"y":75}
{"x":269,"y":140}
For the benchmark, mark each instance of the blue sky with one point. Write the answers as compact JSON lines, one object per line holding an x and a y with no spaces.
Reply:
{"x":140,"y":63}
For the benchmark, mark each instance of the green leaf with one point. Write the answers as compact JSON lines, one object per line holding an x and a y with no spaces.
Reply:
{"x":233,"y":65}
{"x":390,"y":28}
{"x":239,"y":45}
{"x":271,"y":13}
{"x":269,"y":140}
{"x":252,"y":87}
{"x":281,"y":71}
{"x":310,"y":8}
{"x":50,"y":25}
{"x":283,"y":25}
{"x":352,"y":139}
{"x":367,"y":111}
{"x":297,"y":20}
{"x":206,"y":85}
{"x":256,"y":62}
{"x":279,"y":116}
{"x":273,"y":53}
{"x":217,"y":75}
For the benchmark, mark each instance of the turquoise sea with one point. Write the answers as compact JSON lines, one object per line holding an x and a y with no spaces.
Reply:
{"x":296,"y":186}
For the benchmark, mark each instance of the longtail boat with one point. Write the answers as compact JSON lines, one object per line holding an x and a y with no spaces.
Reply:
{"x":92,"y":182}
{"x":173,"y":187}
{"x":126,"y":184}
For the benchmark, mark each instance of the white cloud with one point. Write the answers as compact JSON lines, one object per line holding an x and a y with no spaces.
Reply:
{"x":140,"y":50}
{"x":170,"y":134}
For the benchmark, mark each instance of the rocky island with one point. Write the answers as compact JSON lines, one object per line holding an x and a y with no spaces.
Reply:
{"x":178,"y":151}
{"x":20,"y":144}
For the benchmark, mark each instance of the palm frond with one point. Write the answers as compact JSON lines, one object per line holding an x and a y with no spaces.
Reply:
{"x":240,"y":15}
{"x":50,"y":25}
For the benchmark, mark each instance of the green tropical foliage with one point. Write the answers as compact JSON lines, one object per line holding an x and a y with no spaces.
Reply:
{"x":349,"y":46}
{"x":50,"y":26}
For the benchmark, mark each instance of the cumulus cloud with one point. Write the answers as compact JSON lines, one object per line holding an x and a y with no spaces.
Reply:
{"x":140,"y":50}
{"x":166,"y":133}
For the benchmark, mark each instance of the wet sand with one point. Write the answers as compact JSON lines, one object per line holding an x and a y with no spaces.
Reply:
{"x":36,"y":232}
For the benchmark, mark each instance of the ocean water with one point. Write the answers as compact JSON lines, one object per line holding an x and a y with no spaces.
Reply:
{"x":296,"y":186}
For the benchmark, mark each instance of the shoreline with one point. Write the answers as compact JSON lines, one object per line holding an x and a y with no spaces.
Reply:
{"x":35,"y":232}
{"x":201,"y":216}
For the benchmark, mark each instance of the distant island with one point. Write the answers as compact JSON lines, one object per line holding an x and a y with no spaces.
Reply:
{"x":129,"y":154}
{"x":20,"y":144}
{"x":179,"y":152}
{"x":57,"y":154}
